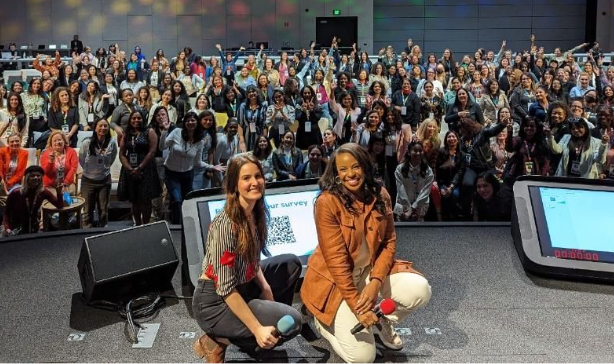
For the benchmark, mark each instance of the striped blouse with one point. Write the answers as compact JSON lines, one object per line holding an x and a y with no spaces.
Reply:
{"x":222,"y":264}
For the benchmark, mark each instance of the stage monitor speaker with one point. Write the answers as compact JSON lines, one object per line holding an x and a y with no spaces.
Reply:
{"x":124,"y":264}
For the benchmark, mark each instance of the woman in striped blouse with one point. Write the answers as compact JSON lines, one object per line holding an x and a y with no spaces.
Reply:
{"x":239,"y":299}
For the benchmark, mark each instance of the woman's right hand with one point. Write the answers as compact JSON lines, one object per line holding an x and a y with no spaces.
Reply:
{"x":265,"y":338}
{"x":368,"y":319}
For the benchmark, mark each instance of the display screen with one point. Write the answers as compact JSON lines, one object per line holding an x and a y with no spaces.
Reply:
{"x":292,"y":228}
{"x":574,"y":223}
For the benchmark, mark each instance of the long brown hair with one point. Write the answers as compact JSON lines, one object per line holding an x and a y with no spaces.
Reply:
{"x":248,"y":245}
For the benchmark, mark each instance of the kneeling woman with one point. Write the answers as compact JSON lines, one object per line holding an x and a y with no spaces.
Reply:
{"x":238,"y":298}
{"x":354,"y":262}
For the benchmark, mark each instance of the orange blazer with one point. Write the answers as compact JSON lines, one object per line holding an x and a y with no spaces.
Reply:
{"x":22,"y":163}
{"x":328,"y":280}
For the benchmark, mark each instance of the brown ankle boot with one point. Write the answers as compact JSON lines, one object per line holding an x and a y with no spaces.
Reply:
{"x":208,"y":348}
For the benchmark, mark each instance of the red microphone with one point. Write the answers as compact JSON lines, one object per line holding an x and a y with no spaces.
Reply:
{"x":385,"y":307}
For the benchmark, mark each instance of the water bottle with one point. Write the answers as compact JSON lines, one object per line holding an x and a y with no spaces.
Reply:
{"x":67,"y":198}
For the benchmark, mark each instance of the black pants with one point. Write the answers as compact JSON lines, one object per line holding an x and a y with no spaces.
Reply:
{"x":216,"y":319}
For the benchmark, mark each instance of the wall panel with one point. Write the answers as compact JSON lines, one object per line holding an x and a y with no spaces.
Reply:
{"x":461,"y":25}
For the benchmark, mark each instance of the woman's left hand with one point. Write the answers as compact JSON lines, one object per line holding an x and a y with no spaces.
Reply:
{"x":267,"y":294}
{"x":368,"y":296}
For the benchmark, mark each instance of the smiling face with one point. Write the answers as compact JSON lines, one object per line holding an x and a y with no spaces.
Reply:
{"x":102,"y":129}
{"x":374,"y":119}
{"x":162,"y":117}
{"x":190,"y":123}
{"x":529,"y":128}
{"x":558,"y":115}
{"x":14,"y":102}
{"x":166,"y":96}
{"x":577,"y":108}
{"x":34,"y":180}
{"x":484,"y":189}
{"x":452,"y":140}
{"x":288,"y":140}
{"x":462,"y":96}
{"x":14,"y":142}
{"x":262,"y":143}
{"x":350,"y":173}
{"x":36,"y":85}
{"x":315,"y":156}
{"x":58,"y":143}
{"x":251,"y":184}
{"x":232,"y":129}
{"x":202,"y":103}
{"x":328,"y":136}
{"x":136,"y":120}
{"x":416,"y":153}
{"x":577,"y":130}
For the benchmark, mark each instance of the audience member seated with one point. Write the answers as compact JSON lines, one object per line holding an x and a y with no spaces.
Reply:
{"x":315,"y":165}
{"x":23,"y":204}
{"x":414,"y":178}
{"x":287,"y":158}
{"x":60,"y":163}
{"x":14,"y":160}
{"x":488,"y":202}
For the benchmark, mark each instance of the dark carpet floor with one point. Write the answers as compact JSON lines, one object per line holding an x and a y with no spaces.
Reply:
{"x":484,"y":308}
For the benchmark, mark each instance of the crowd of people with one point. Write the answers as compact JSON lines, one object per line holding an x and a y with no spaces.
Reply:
{"x":176,"y":122}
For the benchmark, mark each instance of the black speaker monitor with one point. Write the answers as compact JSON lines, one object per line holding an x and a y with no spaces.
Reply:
{"x":124,"y":264}
{"x":562,"y":227}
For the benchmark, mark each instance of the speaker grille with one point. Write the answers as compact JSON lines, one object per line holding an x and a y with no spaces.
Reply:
{"x":131,"y":250}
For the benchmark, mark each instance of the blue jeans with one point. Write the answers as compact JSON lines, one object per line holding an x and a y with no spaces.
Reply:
{"x":178,"y":185}
{"x":200,"y":180}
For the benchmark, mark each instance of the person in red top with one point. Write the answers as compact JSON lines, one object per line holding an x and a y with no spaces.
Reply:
{"x":23,"y":204}
{"x":13,"y":163}
{"x":60,"y":163}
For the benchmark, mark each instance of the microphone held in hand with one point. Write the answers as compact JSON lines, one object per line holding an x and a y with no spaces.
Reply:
{"x":385,"y":307}
{"x":283,"y":327}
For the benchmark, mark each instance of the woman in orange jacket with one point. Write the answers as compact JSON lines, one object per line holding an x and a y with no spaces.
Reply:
{"x":13,"y":163}
{"x":354,"y":261}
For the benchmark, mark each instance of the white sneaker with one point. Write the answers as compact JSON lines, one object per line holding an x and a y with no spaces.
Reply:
{"x":390,"y":338}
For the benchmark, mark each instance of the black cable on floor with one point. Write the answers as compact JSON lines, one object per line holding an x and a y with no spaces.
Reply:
{"x":137,"y":308}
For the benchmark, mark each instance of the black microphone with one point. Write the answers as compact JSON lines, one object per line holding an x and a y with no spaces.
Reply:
{"x":386,"y":307}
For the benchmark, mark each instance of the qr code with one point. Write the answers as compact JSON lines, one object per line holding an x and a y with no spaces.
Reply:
{"x":280,"y":231}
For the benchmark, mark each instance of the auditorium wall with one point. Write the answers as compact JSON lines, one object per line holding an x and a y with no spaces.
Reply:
{"x":462,"y":25}
{"x":172,"y":24}
{"x":465,"y":25}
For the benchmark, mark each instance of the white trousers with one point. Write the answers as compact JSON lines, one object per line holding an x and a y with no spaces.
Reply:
{"x":409,"y":291}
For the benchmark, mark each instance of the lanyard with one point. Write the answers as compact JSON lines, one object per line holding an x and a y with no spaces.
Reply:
{"x":529,"y":150}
